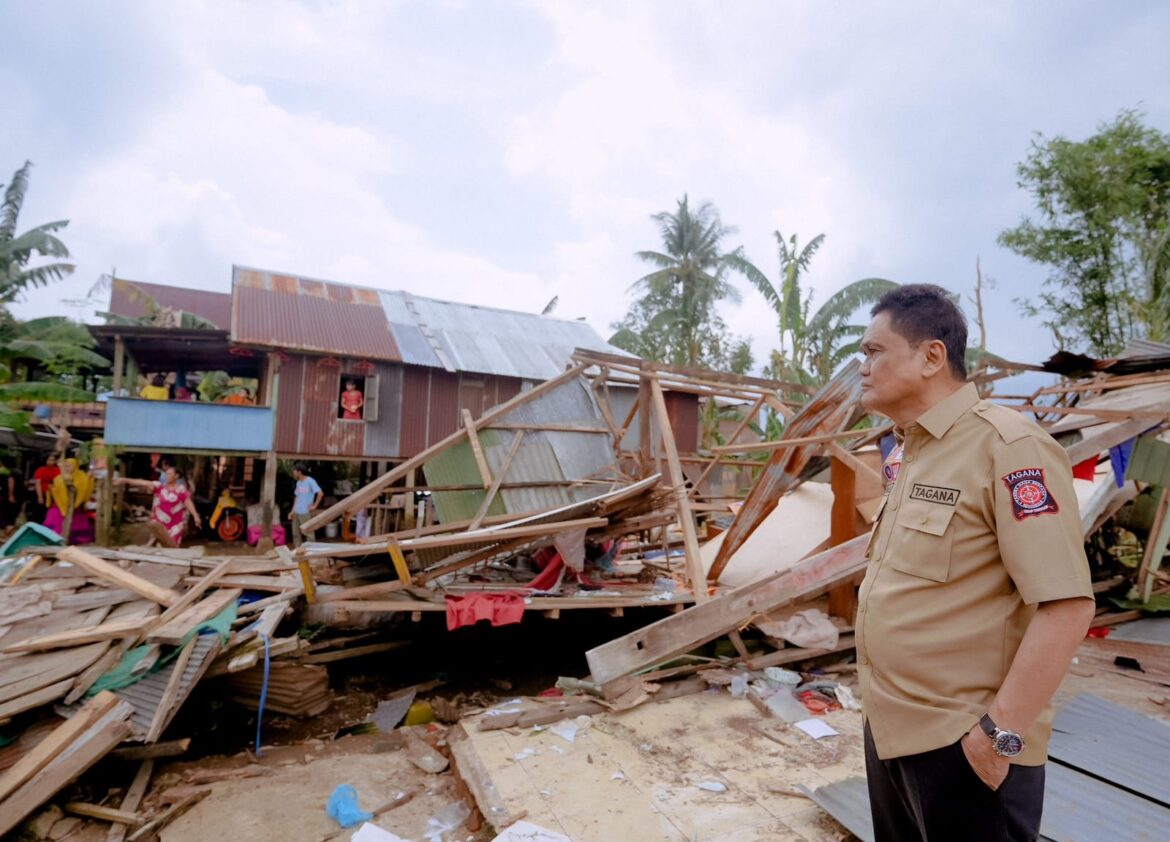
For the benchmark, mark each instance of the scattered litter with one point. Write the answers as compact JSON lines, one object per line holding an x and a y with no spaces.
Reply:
{"x":711,"y":786}
{"x":739,"y":686}
{"x":778,"y":678}
{"x":442,"y":826}
{"x":390,"y":712}
{"x":558,"y":749}
{"x":566,"y":730}
{"x":817,"y":728}
{"x":525,"y":754}
{"x":783,"y":705}
{"x":617,"y":776}
{"x":372,"y":833}
{"x":343,"y":807}
{"x":846,"y":698}
{"x":525,"y":831}
{"x":547,"y":793}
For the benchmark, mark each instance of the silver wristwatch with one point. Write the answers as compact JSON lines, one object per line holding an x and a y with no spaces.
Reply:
{"x":1006,"y":743}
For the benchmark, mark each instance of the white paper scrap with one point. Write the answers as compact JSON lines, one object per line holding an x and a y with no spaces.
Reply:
{"x":372,"y":833}
{"x":525,"y":831}
{"x":816,"y":728}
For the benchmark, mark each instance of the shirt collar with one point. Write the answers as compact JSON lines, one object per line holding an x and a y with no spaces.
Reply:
{"x":943,"y":415}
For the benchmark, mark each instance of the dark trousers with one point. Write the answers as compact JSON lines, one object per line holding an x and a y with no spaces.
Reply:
{"x":936,"y":796}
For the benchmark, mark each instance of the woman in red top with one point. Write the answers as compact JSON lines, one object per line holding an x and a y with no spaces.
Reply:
{"x":351,"y":402}
{"x":172,"y":501}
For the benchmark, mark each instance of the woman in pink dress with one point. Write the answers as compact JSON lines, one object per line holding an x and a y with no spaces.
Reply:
{"x":172,"y":501}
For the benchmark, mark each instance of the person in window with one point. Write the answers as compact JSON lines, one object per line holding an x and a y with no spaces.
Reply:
{"x":68,"y":495}
{"x":352,"y":402}
{"x":157,"y":390}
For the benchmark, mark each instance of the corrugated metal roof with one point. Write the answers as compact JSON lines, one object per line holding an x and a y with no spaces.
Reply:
{"x":125,"y":300}
{"x":285,"y":311}
{"x":282,"y":311}
{"x":1145,"y":348}
{"x":1078,"y":807}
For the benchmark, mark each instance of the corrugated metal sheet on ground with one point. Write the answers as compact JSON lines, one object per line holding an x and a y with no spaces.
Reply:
{"x":146,"y":695}
{"x":848,"y":802}
{"x":1077,"y":808}
{"x":1154,"y":630}
{"x":1113,"y":743}
{"x":216,"y":307}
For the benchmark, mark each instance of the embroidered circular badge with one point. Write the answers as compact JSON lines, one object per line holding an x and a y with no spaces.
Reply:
{"x":1030,"y":494}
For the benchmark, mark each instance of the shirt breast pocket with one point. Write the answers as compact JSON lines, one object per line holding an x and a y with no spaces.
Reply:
{"x":925,"y":536}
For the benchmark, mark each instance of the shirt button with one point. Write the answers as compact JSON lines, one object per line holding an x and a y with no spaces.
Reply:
{"x":909,"y":458}
{"x":865,"y":660}
{"x":922,"y":520}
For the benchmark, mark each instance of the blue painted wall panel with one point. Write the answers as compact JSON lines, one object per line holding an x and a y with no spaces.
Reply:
{"x":188,"y":425}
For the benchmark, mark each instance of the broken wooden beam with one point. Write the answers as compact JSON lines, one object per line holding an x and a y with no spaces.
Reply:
{"x":676,"y":635}
{"x":122,"y":578}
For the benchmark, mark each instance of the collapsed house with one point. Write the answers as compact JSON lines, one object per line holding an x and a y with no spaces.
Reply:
{"x":575,"y":494}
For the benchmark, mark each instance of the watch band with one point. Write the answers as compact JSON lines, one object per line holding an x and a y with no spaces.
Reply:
{"x":989,"y":727}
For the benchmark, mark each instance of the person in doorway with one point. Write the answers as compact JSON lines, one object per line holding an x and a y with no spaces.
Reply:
{"x":977,"y":592}
{"x":172,"y":503}
{"x":69,"y":494}
{"x":42,"y":484}
{"x":307,"y":497}
{"x":156,"y":390}
{"x":352,"y":402}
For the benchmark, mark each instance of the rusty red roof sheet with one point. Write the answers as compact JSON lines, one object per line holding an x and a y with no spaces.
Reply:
{"x":282,"y":311}
{"x":126,"y":300}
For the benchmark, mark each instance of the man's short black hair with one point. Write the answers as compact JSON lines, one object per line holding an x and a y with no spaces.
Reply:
{"x":924,"y":312}
{"x":302,"y":467}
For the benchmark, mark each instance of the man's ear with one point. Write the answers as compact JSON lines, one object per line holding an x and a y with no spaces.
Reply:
{"x":936,"y":357}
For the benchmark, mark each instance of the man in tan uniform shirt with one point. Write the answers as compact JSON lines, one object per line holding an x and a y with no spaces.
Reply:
{"x":977,"y":592}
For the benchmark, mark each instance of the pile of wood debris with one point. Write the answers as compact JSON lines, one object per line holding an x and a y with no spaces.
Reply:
{"x":573,"y":495}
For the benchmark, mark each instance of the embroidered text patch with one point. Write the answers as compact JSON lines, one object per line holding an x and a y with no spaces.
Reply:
{"x":1030,"y":496}
{"x":934,"y":494}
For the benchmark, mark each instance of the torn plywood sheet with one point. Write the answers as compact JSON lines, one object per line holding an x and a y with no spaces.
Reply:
{"x":797,"y":526}
{"x":834,"y":408}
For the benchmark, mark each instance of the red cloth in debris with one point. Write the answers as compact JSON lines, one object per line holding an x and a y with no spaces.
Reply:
{"x":500,"y":608}
{"x":1086,"y":470}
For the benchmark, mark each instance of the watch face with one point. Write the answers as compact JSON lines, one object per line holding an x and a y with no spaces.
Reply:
{"x":1008,"y":744}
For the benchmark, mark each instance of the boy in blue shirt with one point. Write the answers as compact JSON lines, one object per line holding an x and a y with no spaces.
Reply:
{"x":307,"y":497}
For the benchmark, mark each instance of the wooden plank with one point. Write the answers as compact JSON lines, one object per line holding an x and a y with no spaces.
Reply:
{"x":171,"y":748}
{"x":836,"y":451}
{"x":1098,"y":440}
{"x":680,"y":633}
{"x":192,"y":594}
{"x":106,"y":814}
{"x":513,"y":449}
{"x":133,"y":797}
{"x":371,"y":491}
{"x":70,"y":761}
{"x":1155,"y":545}
{"x":485,"y":473}
{"x":180,"y":625}
{"x":152,"y":827}
{"x":122,"y":578}
{"x":472,"y":771}
{"x":1103,"y":414}
{"x":56,"y":742}
{"x":372,"y":591}
{"x":106,"y":631}
{"x":765,"y":446}
{"x":353,"y":652}
{"x":550,"y":428}
{"x":273,"y":584}
{"x":682,"y":500}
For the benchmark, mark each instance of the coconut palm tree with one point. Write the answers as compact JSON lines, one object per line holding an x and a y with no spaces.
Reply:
{"x":17,"y":250}
{"x":811,"y":346}
{"x":690,"y":278}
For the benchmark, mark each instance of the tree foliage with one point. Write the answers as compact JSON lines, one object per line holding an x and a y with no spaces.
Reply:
{"x":812,"y":346}
{"x":19,"y":270}
{"x":676,"y":319}
{"x":1102,"y":226}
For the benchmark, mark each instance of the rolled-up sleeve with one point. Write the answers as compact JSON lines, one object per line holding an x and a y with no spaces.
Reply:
{"x":1038,"y":522}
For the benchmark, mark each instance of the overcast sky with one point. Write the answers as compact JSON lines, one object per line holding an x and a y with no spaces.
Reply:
{"x":501,"y":153}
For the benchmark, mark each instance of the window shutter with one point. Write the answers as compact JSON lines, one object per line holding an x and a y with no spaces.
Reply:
{"x":371,"y":398}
